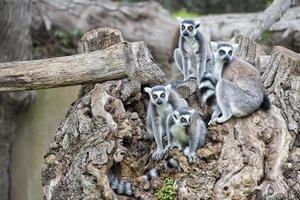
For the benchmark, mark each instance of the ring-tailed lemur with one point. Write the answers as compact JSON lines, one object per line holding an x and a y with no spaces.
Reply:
{"x":120,"y":187}
{"x":185,"y":127}
{"x":239,"y":90}
{"x":193,"y":52}
{"x":163,"y":101}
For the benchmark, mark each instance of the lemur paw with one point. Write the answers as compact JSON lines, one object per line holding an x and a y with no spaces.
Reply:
{"x":168,"y":147}
{"x":192,"y":78}
{"x":158,"y":154}
{"x":178,"y":146}
{"x":223,"y":119}
{"x":192,"y":157}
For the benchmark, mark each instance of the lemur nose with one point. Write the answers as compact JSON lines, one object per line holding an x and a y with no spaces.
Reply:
{"x":185,"y":33}
{"x":159,"y":101}
{"x":227,"y":58}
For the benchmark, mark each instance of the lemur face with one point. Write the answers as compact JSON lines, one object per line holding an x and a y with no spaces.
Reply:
{"x":182,"y":117}
{"x":159,"y":95}
{"x":223,"y":51}
{"x":188,"y":28}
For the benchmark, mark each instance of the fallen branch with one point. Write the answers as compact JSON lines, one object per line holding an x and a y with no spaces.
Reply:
{"x":119,"y":61}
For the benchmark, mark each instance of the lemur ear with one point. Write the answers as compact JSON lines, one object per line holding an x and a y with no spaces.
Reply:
{"x":214,"y":46}
{"x":179,"y":19}
{"x":235,"y":46}
{"x":197,"y":24}
{"x":168,"y":87}
{"x":147,"y":89}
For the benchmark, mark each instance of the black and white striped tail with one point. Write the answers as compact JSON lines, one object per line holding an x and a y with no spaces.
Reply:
{"x":151,"y":174}
{"x":207,"y":89}
{"x":120,"y":187}
{"x":171,"y":163}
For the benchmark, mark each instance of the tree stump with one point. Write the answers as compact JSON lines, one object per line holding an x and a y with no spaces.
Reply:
{"x":246,"y":158}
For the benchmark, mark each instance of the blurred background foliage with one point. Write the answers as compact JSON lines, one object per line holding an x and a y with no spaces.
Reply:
{"x":60,"y":43}
{"x":202,"y":7}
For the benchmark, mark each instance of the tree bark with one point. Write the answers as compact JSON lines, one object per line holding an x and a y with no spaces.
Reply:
{"x":255,"y":157}
{"x":15,"y":22}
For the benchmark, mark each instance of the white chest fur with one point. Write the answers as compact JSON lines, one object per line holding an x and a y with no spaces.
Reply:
{"x":164,"y":110}
{"x":218,"y":69}
{"x":179,"y":133}
{"x":191,"y":46}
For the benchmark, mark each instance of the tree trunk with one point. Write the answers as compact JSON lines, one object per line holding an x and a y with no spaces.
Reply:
{"x":15,"y":23}
{"x":247,"y":158}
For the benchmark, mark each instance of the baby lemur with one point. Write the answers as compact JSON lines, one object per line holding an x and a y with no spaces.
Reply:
{"x":186,"y":127}
{"x":163,"y":101}
{"x":239,"y":89}
{"x":193,"y":52}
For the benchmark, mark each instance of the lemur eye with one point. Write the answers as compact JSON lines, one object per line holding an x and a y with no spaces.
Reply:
{"x":221,"y":52}
{"x":154,"y":96}
{"x":191,"y":28}
{"x":182,"y":27}
{"x":230,"y":52}
{"x":183,"y":120}
{"x":162,"y":95}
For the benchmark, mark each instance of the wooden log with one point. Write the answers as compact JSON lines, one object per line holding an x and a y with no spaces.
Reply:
{"x":121,"y":60}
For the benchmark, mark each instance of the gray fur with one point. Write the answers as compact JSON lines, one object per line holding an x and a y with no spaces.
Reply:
{"x":193,"y":53}
{"x":237,"y":97}
{"x":157,"y":113}
{"x":190,"y":134}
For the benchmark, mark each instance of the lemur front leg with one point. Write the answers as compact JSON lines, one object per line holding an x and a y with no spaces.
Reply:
{"x":216,"y":113}
{"x":169,"y":134}
{"x":201,"y":68}
{"x":190,"y":151}
{"x":178,"y":59}
{"x":186,"y":62}
{"x":224,"y":97}
{"x":158,"y":132}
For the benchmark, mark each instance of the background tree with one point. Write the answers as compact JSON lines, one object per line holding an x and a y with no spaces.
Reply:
{"x":15,"y":23}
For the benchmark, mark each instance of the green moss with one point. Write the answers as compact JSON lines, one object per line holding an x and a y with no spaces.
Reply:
{"x":66,"y":38}
{"x":184,"y":14}
{"x":265,"y":37}
{"x":166,"y":192}
{"x":268,"y":2}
